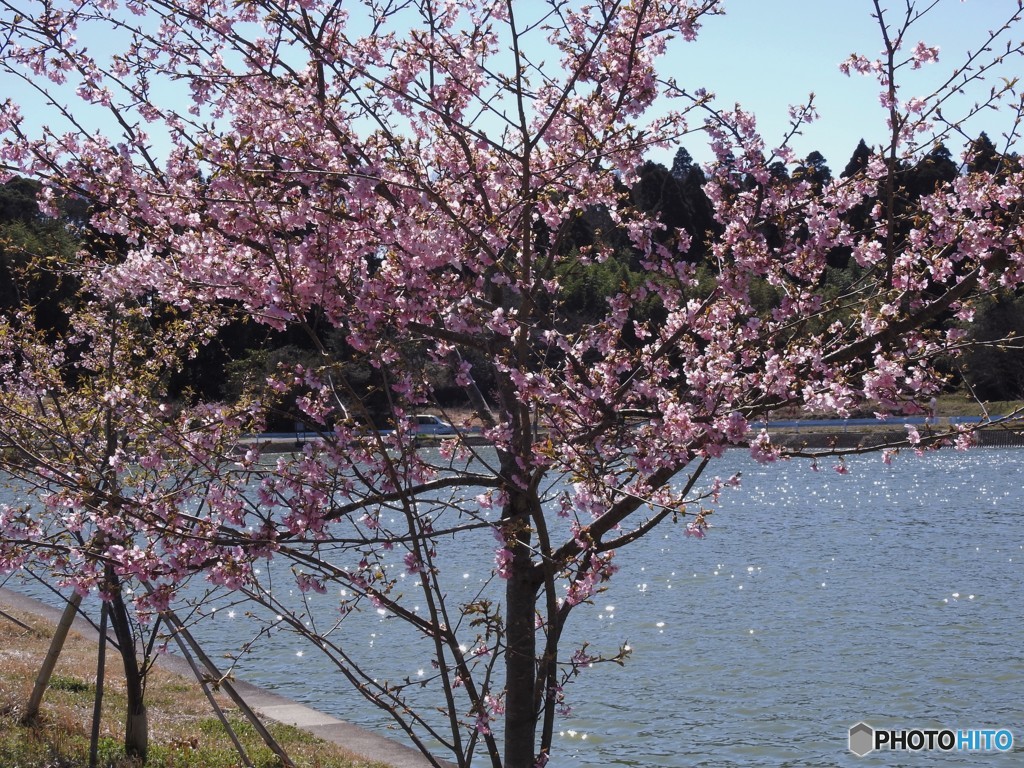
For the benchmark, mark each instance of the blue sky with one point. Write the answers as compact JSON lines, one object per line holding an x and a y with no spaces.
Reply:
{"x":768,"y":54}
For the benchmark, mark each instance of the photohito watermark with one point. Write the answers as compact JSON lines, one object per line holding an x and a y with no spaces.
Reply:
{"x":865,"y":739}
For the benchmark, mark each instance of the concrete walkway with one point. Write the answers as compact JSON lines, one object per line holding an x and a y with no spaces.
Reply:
{"x":360,"y":741}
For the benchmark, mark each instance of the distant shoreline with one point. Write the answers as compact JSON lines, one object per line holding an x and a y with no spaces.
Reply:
{"x":805,"y":434}
{"x":823,"y":438}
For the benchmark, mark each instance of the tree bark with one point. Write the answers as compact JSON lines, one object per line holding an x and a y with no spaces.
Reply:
{"x":136,"y":724}
{"x":521,"y":671}
{"x":521,"y":640}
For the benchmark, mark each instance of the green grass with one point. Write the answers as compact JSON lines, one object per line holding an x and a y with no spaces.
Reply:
{"x":70,"y":684}
{"x":961,"y":405}
{"x":53,"y":745}
{"x":183,"y":732}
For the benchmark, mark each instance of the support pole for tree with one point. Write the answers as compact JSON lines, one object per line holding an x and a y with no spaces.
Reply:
{"x":97,"y":703}
{"x":16,"y":620}
{"x":60,"y":636}
{"x":218,"y":710}
{"x":222,"y":682}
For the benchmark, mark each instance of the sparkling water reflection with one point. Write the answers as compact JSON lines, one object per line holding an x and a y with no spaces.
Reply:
{"x":892,"y":594}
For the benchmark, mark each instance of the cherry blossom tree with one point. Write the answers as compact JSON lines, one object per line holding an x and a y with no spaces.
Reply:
{"x":83,"y":395}
{"x":410,"y":184}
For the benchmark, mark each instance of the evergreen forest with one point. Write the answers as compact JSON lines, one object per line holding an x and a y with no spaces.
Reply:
{"x":38,"y":256}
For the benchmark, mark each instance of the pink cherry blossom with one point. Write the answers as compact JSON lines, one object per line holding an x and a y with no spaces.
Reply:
{"x":416,"y":190}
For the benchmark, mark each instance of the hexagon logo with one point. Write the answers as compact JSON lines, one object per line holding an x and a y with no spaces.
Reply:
{"x":862,"y":739}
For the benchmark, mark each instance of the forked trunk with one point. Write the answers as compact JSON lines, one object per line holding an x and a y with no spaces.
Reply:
{"x":136,"y":730}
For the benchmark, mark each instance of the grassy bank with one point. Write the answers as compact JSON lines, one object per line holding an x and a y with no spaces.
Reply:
{"x":959,"y":404}
{"x":183,"y":730}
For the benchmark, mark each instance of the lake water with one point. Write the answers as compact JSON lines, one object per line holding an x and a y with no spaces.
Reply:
{"x":892,"y":594}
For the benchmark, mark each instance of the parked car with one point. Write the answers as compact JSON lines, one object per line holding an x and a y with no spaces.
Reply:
{"x":428,"y":424}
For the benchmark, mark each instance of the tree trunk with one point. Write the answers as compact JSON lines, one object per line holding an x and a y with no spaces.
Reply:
{"x":136,"y":724}
{"x":136,"y":733}
{"x":521,"y":671}
{"x":521,"y":639}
